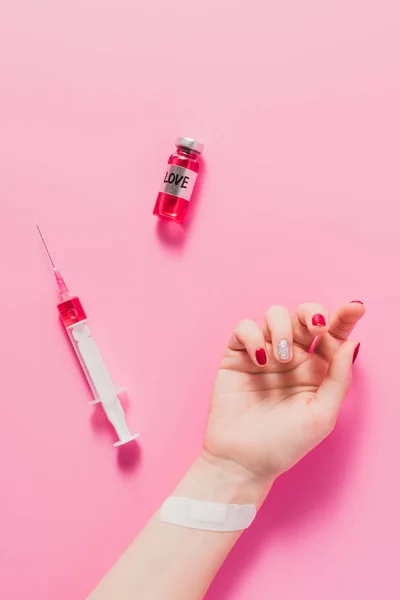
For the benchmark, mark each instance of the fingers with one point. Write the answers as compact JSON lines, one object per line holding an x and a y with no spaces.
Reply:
{"x":309,"y":321}
{"x":279,"y":331}
{"x":342,"y":324}
{"x":334,"y":387}
{"x":248,"y":336}
{"x":345,"y":319}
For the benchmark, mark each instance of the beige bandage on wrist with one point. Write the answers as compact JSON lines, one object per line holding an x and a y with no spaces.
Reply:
{"x":211,"y":516}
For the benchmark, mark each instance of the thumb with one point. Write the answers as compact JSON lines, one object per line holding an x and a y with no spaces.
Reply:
{"x":334,"y":387}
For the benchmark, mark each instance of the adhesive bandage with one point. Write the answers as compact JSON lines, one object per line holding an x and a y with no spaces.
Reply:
{"x":211,"y":516}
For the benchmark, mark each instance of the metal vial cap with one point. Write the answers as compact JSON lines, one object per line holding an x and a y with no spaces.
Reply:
{"x":191,"y":144}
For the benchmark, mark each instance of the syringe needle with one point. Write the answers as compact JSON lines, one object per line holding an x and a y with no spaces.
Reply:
{"x":46,"y":248}
{"x":62,"y":288}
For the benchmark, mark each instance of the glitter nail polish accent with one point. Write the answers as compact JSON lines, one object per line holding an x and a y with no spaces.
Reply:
{"x":283,"y":350}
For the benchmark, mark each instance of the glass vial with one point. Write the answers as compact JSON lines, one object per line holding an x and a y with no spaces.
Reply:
{"x":179,"y":179}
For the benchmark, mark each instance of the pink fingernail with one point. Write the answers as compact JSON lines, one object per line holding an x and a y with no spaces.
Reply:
{"x":261,"y":357}
{"x":356,"y":351}
{"x":318,"y":320}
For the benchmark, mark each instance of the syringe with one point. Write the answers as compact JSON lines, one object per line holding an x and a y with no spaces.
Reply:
{"x":74,"y":320}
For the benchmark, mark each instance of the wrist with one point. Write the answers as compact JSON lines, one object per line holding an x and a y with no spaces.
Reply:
{"x":222,"y":480}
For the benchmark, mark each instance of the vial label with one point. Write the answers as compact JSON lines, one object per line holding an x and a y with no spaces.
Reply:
{"x":179,"y":182}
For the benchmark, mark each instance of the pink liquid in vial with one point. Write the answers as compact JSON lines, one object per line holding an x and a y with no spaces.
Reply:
{"x":180,"y":176}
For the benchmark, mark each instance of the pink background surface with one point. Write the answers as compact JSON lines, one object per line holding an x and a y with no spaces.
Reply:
{"x":298,"y":106}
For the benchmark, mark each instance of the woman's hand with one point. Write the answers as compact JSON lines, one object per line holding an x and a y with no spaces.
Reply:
{"x":274,"y":400}
{"x":264,"y":416}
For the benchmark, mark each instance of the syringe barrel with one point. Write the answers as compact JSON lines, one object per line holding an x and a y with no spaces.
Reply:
{"x":74,"y":319}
